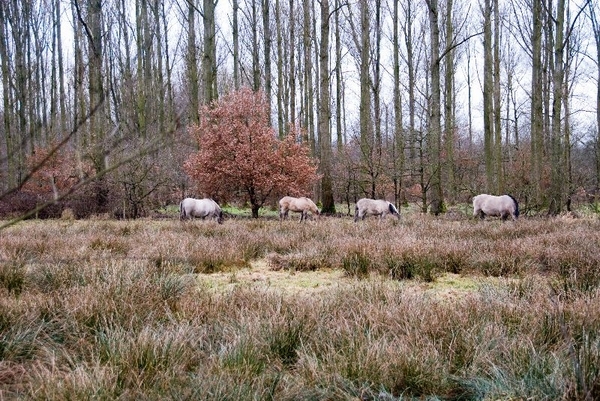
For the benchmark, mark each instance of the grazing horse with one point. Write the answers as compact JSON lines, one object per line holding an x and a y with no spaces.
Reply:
{"x":203,"y":208}
{"x":491,"y":205}
{"x":302,"y":205}
{"x":371,"y":207}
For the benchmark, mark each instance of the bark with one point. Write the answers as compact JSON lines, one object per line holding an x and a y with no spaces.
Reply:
{"x":437,"y":199}
{"x":497,"y":109}
{"x":488,"y":100}
{"x":192,"y":64}
{"x":324,"y":117}
{"x":209,"y":58}
{"x":292,"y":57}
{"x":255,"y":47}
{"x":267,"y":50}
{"x":398,"y":130}
{"x":308,"y":102}
{"x":365,"y":123}
{"x":235,"y":31}
{"x":338,"y":81}
{"x":449,"y":101}
{"x":9,"y":167}
{"x":557,"y":166}
{"x":280,"y":62}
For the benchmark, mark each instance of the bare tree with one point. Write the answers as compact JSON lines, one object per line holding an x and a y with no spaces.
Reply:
{"x":434,"y":135}
{"x":324,"y":116}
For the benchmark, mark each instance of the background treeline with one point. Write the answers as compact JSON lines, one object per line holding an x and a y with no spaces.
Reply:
{"x":415,"y":101}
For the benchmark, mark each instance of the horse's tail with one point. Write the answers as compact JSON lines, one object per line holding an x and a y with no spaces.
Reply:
{"x":356,"y":213}
{"x":516,"y":206}
{"x":181,"y":211}
{"x":393,"y":209}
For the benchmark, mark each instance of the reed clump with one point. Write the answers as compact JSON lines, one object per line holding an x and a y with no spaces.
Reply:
{"x":117,"y":310}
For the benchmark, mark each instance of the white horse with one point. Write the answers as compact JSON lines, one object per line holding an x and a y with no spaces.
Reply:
{"x":203,"y":208}
{"x":371,"y":207}
{"x":491,"y":205}
{"x":302,"y":205}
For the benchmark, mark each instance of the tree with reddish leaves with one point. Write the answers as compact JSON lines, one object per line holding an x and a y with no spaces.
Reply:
{"x":240,"y":155}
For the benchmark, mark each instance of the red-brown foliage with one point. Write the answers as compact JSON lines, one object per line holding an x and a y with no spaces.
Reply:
{"x":240,"y":155}
{"x":52,"y":177}
{"x":57,"y":174}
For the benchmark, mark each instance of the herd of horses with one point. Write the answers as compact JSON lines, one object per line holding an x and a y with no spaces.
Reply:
{"x":503,"y":206}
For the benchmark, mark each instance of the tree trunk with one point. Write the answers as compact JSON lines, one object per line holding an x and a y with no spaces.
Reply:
{"x":192,"y":64}
{"x":255,"y":47}
{"x":235,"y":31}
{"x":9,"y":168}
{"x":537,"y":109}
{"x":209,"y":59}
{"x":338,"y":81}
{"x":292,"y":52}
{"x":308,"y":76}
{"x":488,"y":100}
{"x":398,"y":130}
{"x":437,"y":198}
{"x":497,"y":109}
{"x":449,"y":102}
{"x":267,"y":49}
{"x":557,"y":165}
{"x":281,"y":63}
{"x":365,"y":123}
{"x":324,"y":118}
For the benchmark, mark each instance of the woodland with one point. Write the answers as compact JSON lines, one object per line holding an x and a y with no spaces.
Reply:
{"x":418,"y":102}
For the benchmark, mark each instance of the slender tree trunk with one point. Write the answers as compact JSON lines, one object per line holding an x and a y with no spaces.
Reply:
{"x":209,"y":58}
{"x":488,"y":100}
{"x":10,"y":168}
{"x":338,"y":80}
{"x":308,"y":76}
{"x":497,"y":110}
{"x":292,"y":52}
{"x":366,"y":131}
{"x":267,"y":49}
{"x":168,"y":65}
{"x":328,"y":205}
{"x":280,"y":69}
{"x":557,"y":165}
{"x":398,"y":129}
{"x":410,"y":66}
{"x":192,"y":64}
{"x":160,"y":81}
{"x":437,"y":198}
{"x":255,"y":46}
{"x":537,"y":109}
{"x":376,"y":87}
{"x":62,"y":94}
{"x":596,"y":29}
{"x":449,"y":102}
{"x":235,"y":30}
{"x":142,"y":60}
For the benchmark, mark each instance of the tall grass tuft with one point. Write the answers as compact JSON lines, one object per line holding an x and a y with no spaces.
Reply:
{"x":356,"y":263}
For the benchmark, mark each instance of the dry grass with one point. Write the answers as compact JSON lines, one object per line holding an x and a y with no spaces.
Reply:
{"x":424,"y":307}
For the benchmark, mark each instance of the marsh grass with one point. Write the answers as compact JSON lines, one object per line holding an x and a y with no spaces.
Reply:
{"x":106,"y":309}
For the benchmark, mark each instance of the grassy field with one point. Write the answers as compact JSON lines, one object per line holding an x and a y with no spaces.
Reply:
{"x":421,"y":308}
